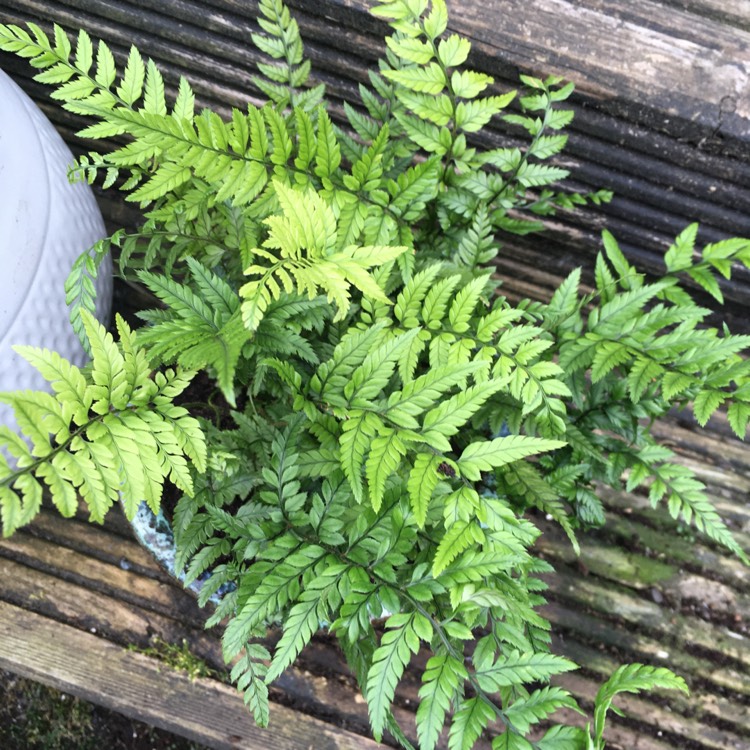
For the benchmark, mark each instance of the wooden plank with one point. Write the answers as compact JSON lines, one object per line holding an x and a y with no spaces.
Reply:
{"x":651,"y":723}
{"x":635,"y":53}
{"x":132,"y":609}
{"x":120,"y":621}
{"x":97,"y":576}
{"x":698,"y":718}
{"x":141,"y":687}
{"x":639,"y":506}
{"x":625,"y":531}
{"x":613,"y":603}
{"x":711,"y":446}
{"x":735,"y":12}
{"x":636,"y":629}
{"x":574,"y":624}
{"x":98,"y":542}
{"x":647,"y":576}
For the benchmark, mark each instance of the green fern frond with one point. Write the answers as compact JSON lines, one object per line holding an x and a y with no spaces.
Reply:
{"x":305,"y":235}
{"x":108,"y":433}
{"x":490,"y":454}
{"x":631,"y":678}
{"x":685,"y":495}
{"x":303,"y":620}
{"x":441,"y":683}
{"x":356,"y":438}
{"x":423,"y":479}
{"x":389,"y":661}
{"x":525,"y":712}
{"x":469,"y":721}
{"x":248,"y":674}
{"x":446,"y":419}
{"x":273,"y":591}
{"x":204,"y":328}
{"x":459,"y":537}
{"x":283,"y":80}
{"x":515,"y":668}
{"x":332,"y":285}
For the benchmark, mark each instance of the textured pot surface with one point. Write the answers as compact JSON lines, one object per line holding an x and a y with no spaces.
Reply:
{"x":45,"y":224}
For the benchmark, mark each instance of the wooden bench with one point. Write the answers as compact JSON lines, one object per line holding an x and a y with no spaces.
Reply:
{"x":663,"y":119}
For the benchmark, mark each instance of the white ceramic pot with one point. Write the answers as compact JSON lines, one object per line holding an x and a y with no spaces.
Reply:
{"x":45,"y":223}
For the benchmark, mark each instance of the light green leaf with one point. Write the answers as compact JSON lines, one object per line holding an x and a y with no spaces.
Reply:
{"x":490,"y":454}
{"x":388,"y":663}
{"x":458,"y":537}
{"x":631,"y":678}
{"x":385,"y":455}
{"x":680,"y":254}
{"x":440,"y":683}
{"x":131,"y":86}
{"x":453,"y":50}
{"x":423,"y":479}
{"x":429,"y":79}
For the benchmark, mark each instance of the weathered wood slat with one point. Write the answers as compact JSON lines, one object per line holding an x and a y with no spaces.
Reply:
{"x":616,"y":603}
{"x":625,"y":531}
{"x":665,"y":725}
{"x":641,"y":592}
{"x":736,"y":12}
{"x":641,"y":52}
{"x":321,"y":684}
{"x":96,"y":575}
{"x":77,"y":606}
{"x":104,"y":545}
{"x":140,"y":605}
{"x":139,"y":686}
{"x":715,"y":715}
{"x":645,"y":574}
{"x":574,"y":624}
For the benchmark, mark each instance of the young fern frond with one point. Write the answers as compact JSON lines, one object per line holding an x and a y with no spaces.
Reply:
{"x":80,"y":290}
{"x":440,"y":97}
{"x":248,"y":674}
{"x":282,"y":81}
{"x":308,"y":260}
{"x":684,"y":493}
{"x":630,"y":678}
{"x":108,"y":433}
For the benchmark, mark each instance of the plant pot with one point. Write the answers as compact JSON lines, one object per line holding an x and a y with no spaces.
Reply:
{"x":45,"y":224}
{"x":154,"y":532}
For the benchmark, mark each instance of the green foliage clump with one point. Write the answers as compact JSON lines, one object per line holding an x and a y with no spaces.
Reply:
{"x":390,"y":420}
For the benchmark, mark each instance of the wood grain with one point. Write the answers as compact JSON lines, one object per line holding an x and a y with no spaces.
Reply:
{"x":619,"y":602}
{"x":639,"y":52}
{"x":736,"y":12}
{"x":141,"y":687}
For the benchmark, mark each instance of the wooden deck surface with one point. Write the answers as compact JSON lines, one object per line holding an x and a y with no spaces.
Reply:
{"x":663,"y":119}
{"x":75,"y":597}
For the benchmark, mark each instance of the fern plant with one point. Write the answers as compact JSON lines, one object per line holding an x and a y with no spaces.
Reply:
{"x":384,"y":422}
